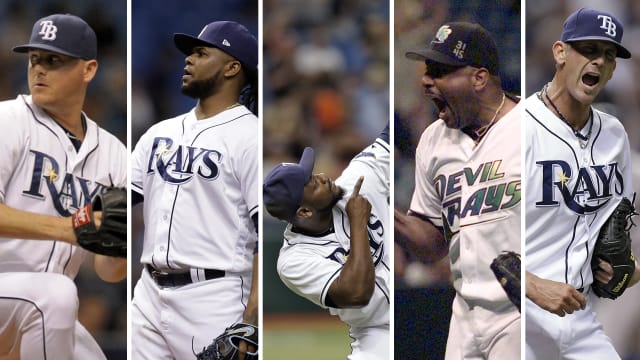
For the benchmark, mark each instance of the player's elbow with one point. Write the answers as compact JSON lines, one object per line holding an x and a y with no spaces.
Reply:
{"x":361,"y":295}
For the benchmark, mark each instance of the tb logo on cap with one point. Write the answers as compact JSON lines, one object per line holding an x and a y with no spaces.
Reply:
{"x":48,"y":30}
{"x":608,"y":24}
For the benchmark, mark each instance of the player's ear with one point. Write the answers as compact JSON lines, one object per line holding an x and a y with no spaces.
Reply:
{"x":304,"y":213}
{"x":559,"y":52}
{"x":90,"y":69}
{"x":480,"y":78}
{"x":232,"y":68}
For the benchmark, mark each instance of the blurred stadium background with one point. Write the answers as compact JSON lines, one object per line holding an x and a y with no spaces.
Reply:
{"x":620,"y":97}
{"x":423,"y":292}
{"x":326,"y":85}
{"x":103,"y":306}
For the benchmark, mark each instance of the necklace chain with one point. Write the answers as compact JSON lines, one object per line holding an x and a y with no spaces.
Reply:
{"x":483,"y":129}
{"x":231,"y":106}
{"x":584,"y":140}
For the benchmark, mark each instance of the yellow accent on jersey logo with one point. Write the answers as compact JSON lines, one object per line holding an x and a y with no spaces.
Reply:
{"x":564,"y":179}
{"x":164,"y":149}
{"x":51,"y":173}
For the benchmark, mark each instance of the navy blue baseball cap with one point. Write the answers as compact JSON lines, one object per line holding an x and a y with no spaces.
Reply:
{"x":228,"y":36}
{"x":461,"y":43}
{"x":589,"y":24}
{"x":284,"y":186}
{"x":64,"y":34}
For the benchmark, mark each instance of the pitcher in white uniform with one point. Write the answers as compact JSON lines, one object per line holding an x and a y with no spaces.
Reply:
{"x":55,"y":160}
{"x":336,"y":244}
{"x":466,"y":201}
{"x":197,"y":175}
{"x":578,"y":169}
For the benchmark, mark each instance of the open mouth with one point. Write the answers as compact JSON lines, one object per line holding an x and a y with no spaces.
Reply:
{"x":590,"y":79}
{"x":441,"y":105}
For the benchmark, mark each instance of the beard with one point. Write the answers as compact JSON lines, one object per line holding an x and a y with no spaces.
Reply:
{"x":199,"y":89}
{"x":334,"y":201}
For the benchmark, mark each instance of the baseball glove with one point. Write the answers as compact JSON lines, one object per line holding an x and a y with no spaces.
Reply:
{"x":614,"y":246}
{"x":225,"y":346}
{"x":111,"y":238}
{"x":506,"y":268}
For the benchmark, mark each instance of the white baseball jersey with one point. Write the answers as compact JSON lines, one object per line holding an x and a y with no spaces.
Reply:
{"x":43,"y":173}
{"x":199,"y":179}
{"x":571,"y":191}
{"x":572,"y":188}
{"x":472,"y":191}
{"x":309,"y":265}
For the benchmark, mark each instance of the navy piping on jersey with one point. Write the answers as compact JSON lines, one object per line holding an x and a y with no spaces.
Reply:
{"x":64,"y":268}
{"x":242,"y":293}
{"x":575,"y":157}
{"x":53,"y":249}
{"x":84,"y":162}
{"x":325,"y":289}
{"x":66,"y":163}
{"x":173,"y":207}
{"x":253,"y":208}
{"x":595,"y":138}
{"x":566,"y":253}
{"x":386,"y":296}
{"x":141,"y":192}
{"x":383,"y":144}
{"x":66,"y":160}
{"x":44,"y":344}
{"x":178,"y":186}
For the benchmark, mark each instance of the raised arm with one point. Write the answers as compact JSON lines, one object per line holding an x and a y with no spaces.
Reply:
{"x":354,"y":286}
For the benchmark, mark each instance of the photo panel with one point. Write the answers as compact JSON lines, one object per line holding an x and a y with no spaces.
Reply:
{"x":63,"y":113}
{"x":457,"y":178}
{"x":581,"y":142}
{"x":195,"y":169}
{"x":326,"y":88}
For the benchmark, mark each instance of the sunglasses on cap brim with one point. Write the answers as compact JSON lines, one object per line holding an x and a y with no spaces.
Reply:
{"x":437,"y":70}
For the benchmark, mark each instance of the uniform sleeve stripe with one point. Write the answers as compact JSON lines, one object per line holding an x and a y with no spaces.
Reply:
{"x":137,"y":189}
{"x":253,"y":210}
{"x":325,"y":289}
{"x":383,"y":144}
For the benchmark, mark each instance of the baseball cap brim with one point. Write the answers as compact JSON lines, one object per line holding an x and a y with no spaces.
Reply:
{"x":307,"y":162}
{"x":185,"y":43}
{"x":622,"y":52}
{"x":25,"y":48}
{"x":432,"y":55}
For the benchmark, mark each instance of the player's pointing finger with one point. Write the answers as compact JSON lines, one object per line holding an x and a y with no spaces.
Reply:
{"x":356,"y":188}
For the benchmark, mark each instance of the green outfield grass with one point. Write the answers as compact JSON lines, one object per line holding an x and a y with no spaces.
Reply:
{"x":295,"y":337}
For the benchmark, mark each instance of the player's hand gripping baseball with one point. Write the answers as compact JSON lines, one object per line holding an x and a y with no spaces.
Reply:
{"x":358,"y":207}
{"x":555,"y":297}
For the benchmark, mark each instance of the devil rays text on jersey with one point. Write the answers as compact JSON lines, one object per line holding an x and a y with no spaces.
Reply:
{"x":587,"y":192}
{"x":490,"y":194}
{"x":178,"y":166}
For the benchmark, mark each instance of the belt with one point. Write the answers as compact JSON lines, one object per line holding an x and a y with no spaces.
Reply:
{"x":179,"y":279}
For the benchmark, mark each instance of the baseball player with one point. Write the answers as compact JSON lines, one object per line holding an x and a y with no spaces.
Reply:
{"x":197,"y":174}
{"x":336,"y":245}
{"x":55,"y":160}
{"x":466,"y":201}
{"x":578,"y":170}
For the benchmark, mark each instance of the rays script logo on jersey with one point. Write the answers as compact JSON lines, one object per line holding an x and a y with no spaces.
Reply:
{"x":178,"y":165}
{"x":584,"y":192}
{"x":68,"y":192}
{"x":492,"y":193}
{"x":376,"y":246}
